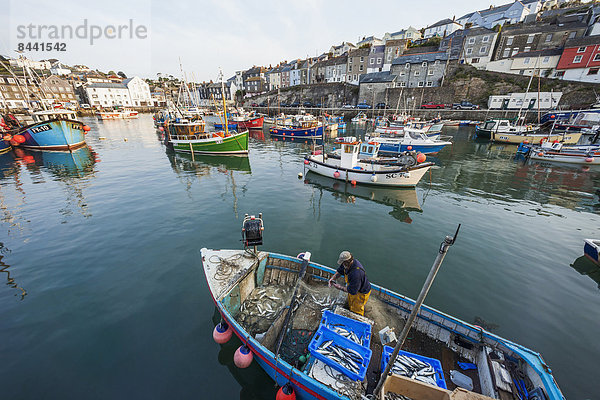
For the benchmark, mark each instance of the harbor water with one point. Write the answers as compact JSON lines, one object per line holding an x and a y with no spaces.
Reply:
{"x":104,"y":295}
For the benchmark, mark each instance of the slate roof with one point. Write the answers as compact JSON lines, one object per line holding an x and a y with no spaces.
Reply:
{"x":441,"y":23}
{"x":540,"y":53}
{"x":583,"y":41}
{"x":377,"y":77}
{"x":499,"y":9}
{"x":106,"y":85}
{"x":540,"y":28}
{"x":420,"y":57}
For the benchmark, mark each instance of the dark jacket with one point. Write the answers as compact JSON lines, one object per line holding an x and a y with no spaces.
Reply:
{"x":357,"y":278}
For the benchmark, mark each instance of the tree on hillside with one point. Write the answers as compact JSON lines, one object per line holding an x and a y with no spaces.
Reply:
{"x":122,"y":74}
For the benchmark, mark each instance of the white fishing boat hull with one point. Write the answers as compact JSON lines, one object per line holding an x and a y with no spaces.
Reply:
{"x":380,"y":175}
{"x":565,"y":158}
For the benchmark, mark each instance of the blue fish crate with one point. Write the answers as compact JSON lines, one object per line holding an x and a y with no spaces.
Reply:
{"x":436,"y":364}
{"x":360,"y":329}
{"x":323,"y":335}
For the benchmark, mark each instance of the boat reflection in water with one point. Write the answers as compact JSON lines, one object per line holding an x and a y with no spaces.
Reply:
{"x":202,"y":164}
{"x":9,"y":280}
{"x":62,"y":164}
{"x":585,"y":266}
{"x":402,"y":200}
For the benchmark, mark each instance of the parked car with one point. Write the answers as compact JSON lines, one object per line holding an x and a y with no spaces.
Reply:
{"x":85,"y":105}
{"x":363,"y":106}
{"x":307,"y":104}
{"x":295,"y":104}
{"x":465,"y":105}
{"x":433,"y":105}
{"x":285,"y":105}
{"x":318,"y":105}
{"x":382,"y":106}
{"x":254,"y":105}
{"x":349,"y":106}
{"x":264,"y":104}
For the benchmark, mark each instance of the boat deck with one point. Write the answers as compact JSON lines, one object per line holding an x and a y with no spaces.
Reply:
{"x":314,"y":297}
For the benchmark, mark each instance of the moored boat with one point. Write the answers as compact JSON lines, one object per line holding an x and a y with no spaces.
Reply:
{"x":591,"y":249}
{"x":211,"y":143}
{"x":503,"y":127}
{"x":4,"y":146}
{"x":407,"y":140}
{"x":252,"y":291}
{"x":117,"y":114}
{"x":350,"y":168}
{"x":56,"y":129}
{"x":557,"y":152}
{"x":360,"y":118}
{"x":220,"y":125}
{"x":517,"y":138}
{"x":248,"y":122}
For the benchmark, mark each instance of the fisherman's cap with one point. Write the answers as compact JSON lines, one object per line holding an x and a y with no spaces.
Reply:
{"x":344,"y":256}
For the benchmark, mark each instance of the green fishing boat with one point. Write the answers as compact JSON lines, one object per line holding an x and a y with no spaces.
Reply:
{"x":231,"y":142}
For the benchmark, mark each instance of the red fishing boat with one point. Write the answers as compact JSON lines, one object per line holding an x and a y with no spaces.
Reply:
{"x":251,"y":122}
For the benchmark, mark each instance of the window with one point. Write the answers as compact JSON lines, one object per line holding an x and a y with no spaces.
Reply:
{"x":372,"y":61}
{"x":530,"y":39}
{"x":527,"y":49}
{"x":549,"y":37}
{"x":581,"y":49}
{"x":430,"y":72}
{"x":424,"y":64}
{"x":402,"y":84}
{"x":402,"y":74}
{"x":597,"y":57}
{"x":509,"y":40}
{"x":546,"y":60}
{"x":350,"y":68}
{"x":475,"y":61}
{"x":417,"y":73}
{"x":421,"y":84}
{"x":559,"y":74}
{"x":471,"y":40}
{"x":378,"y":60}
{"x":577,"y":59}
{"x":572,"y":35}
{"x":407,"y":65}
{"x":361,"y":67}
{"x":485,"y":39}
{"x":350,"y":60}
{"x":593,"y":71}
{"x":506,"y":52}
{"x":526,"y":60}
{"x":362,"y":59}
{"x":515,"y":51}
{"x":469,"y":51}
{"x":483,"y":50}
{"x":429,"y":84}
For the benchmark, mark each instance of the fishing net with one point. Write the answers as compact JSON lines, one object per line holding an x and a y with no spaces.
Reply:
{"x":261,"y":308}
{"x":294,"y":345}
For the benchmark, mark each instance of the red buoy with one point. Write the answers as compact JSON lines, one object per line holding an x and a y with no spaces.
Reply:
{"x":353,"y":182}
{"x":336,"y":174}
{"x":7,"y":138}
{"x":409,"y":148}
{"x":29,"y":159}
{"x":13,"y":142}
{"x":222,"y":332}
{"x":242,"y":357}
{"x":421,"y":158}
{"x":589,"y":159}
{"x":86,"y":128}
{"x":160,"y":128}
{"x":286,"y":392}
{"x":540,"y":154}
{"x":19,"y":138}
{"x":305,"y":162}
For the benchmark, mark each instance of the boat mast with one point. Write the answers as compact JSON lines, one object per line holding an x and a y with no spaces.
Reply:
{"x":524,"y":98}
{"x":224,"y":106}
{"x":448,"y":241}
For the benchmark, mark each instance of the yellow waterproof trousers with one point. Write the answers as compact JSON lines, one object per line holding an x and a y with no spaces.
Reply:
{"x":357,"y":302}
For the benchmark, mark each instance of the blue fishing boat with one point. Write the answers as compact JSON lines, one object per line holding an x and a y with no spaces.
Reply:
{"x":312,"y":131}
{"x":409,"y":140}
{"x":54,"y":130}
{"x":238,"y":280}
{"x":220,"y":126}
{"x":591,"y":250}
{"x":4,"y":146}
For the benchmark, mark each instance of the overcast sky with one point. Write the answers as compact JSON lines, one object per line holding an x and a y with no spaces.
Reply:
{"x":209,"y":34}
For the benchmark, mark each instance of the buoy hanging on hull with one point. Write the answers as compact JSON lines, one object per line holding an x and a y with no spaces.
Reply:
{"x":222,"y":333}
{"x":286,"y":392}
{"x":243,"y":357}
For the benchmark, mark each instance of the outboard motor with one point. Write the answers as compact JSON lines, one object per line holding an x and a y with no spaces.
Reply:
{"x":252,"y":231}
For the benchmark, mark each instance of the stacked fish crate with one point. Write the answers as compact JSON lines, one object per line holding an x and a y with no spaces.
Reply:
{"x":414,"y":366}
{"x":343,"y":343}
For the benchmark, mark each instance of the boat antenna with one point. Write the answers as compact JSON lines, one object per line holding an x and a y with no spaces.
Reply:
{"x":448,"y":241}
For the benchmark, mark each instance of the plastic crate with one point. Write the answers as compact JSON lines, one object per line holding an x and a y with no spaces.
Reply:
{"x":361,"y":329}
{"x":324,"y":334}
{"x":436,"y":364}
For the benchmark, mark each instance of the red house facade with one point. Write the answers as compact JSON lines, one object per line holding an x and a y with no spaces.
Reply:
{"x":580,"y":60}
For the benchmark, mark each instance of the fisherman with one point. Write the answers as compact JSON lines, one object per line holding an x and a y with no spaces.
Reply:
{"x":358,"y":285}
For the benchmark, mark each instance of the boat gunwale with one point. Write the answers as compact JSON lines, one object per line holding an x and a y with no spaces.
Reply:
{"x":391,"y":171}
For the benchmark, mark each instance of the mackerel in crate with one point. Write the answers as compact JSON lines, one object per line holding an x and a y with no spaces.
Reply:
{"x":341,"y":353}
{"x":358,"y":332}
{"x":414,"y":366}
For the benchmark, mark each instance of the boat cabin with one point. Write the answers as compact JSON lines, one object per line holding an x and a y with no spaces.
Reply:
{"x":368,"y":150}
{"x":349,"y":151}
{"x":50,"y":115}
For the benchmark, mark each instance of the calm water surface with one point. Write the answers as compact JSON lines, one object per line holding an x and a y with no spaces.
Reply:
{"x":104,"y":295}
